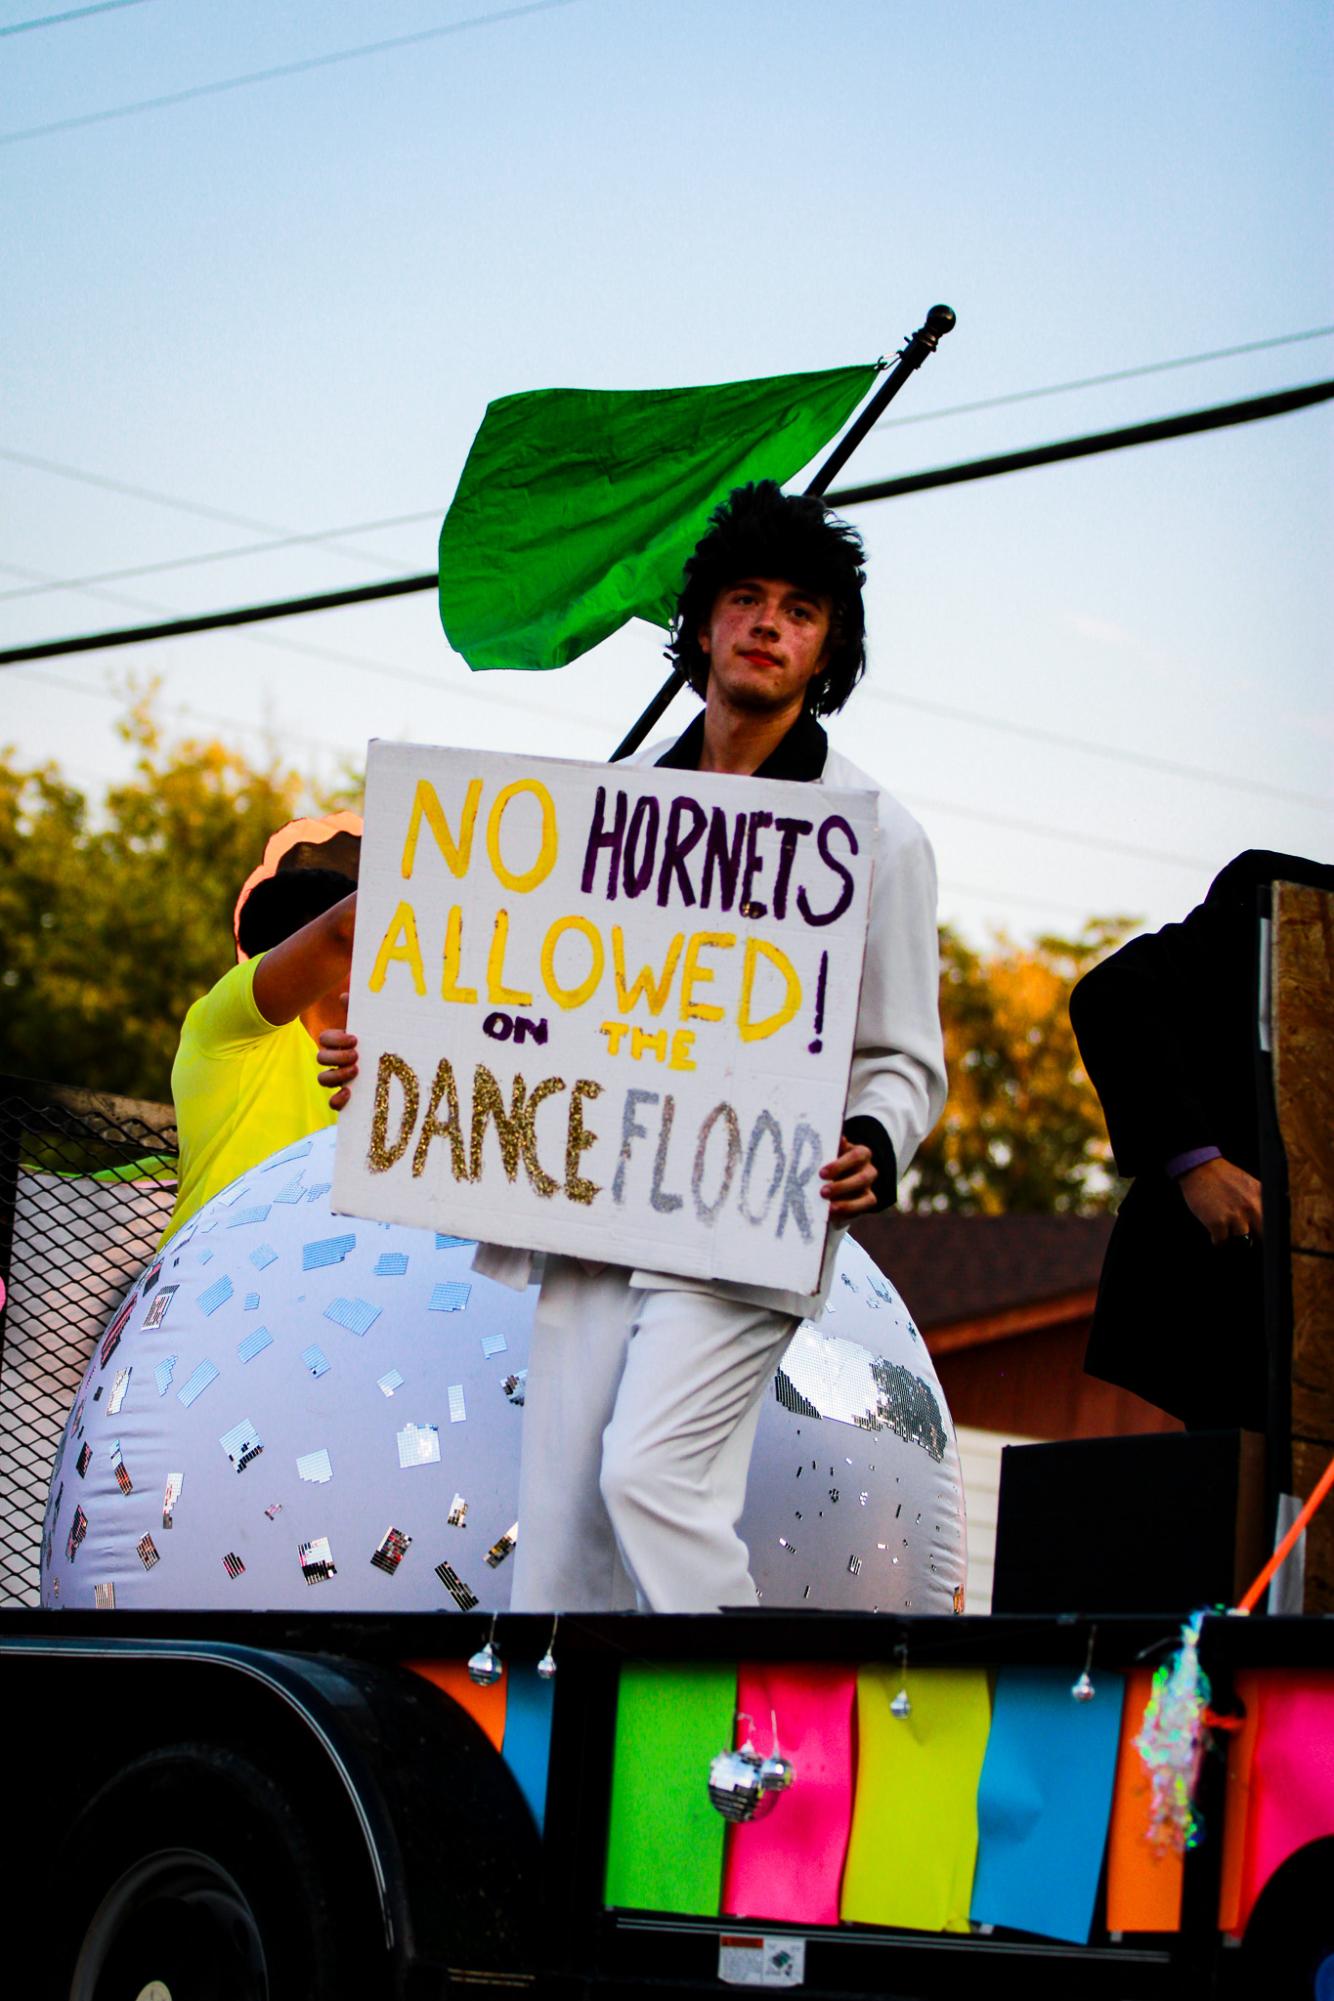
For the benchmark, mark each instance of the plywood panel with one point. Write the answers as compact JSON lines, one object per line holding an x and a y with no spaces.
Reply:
{"x":1303,"y":1043}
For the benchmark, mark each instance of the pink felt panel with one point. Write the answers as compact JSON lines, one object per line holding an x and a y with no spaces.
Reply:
{"x":789,"y":1865}
{"x":1292,"y":1777}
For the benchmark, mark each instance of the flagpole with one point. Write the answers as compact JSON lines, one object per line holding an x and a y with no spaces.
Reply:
{"x":939,"y":321}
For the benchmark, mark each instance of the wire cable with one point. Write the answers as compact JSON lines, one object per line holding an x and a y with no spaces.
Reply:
{"x":319,"y":536}
{"x":1097,"y":381}
{"x":70,"y":14}
{"x":1218,"y":418}
{"x":300,"y":68}
{"x":1046,"y":832}
{"x":178,"y":506}
{"x":1060,"y":741}
{"x":287,"y":539}
{"x":1187,"y":423}
{"x":952,"y":808}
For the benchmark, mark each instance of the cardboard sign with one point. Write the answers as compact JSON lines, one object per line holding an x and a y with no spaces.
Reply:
{"x":604,"y":1010}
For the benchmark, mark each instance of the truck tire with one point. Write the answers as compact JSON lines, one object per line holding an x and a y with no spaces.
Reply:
{"x":1288,"y":1951}
{"x":196,"y":1878}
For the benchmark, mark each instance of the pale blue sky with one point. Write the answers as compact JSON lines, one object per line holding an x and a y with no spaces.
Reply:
{"x":290,"y":303}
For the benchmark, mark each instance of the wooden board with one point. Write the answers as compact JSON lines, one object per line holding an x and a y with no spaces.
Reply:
{"x":1303,"y":1045}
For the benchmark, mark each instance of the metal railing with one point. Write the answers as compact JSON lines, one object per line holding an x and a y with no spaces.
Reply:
{"x":86,"y":1187}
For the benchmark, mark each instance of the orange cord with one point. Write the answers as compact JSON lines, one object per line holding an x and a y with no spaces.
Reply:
{"x":1285,"y":1548}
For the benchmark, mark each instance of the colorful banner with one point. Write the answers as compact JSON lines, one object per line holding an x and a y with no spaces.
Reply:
{"x":1044,"y":1801}
{"x":665,"y":1840}
{"x":1035,"y":1788}
{"x":788,"y":1865}
{"x":606,"y":1012}
{"x":914,"y":1828}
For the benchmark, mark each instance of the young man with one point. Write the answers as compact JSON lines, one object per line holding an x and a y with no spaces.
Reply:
{"x":644,"y":1389}
{"x":243,"y":1082}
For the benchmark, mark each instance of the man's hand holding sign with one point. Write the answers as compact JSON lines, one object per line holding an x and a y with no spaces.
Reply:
{"x":609,"y":1014}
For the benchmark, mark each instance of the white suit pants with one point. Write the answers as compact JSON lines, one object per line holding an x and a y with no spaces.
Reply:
{"x":639,"y":1416}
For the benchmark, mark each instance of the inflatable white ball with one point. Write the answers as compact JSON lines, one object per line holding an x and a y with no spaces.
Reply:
{"x":292,"y":1408}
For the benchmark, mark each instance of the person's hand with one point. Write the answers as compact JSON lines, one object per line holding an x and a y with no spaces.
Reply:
{"x":337,"y":1049}
{"x":848,"y":1183}
{"x":1224,"y":1198}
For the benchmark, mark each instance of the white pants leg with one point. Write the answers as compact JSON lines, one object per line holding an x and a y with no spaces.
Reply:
{"x":676,"y":1452}
{"x":567,"y":1559}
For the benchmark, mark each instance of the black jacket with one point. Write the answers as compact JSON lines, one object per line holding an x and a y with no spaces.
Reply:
{"x":1167,"y":1030}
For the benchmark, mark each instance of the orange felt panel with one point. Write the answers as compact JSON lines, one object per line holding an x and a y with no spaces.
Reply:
{"x":486,"y":1706}
{"x":1143,"y":1881}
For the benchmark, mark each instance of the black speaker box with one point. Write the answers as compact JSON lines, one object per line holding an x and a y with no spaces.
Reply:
{"x":1164,"y":1522}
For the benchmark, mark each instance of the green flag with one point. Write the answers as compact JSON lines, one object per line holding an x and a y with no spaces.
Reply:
{"x":578,"y":507}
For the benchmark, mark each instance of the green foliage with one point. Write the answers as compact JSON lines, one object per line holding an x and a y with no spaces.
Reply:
{"x":1023,"y":1131}
{"x":112,"y":921}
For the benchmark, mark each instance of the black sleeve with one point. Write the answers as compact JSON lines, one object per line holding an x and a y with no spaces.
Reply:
{"x":863,"y":1130}
{"x":1137,"y":1020}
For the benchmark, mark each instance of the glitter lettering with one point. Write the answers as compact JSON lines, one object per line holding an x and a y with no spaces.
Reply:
{"x":380,"y":1156}
{"x":449,"y":1128}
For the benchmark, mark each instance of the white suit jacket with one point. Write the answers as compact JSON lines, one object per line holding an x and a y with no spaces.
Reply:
{"x":898,"y":1060}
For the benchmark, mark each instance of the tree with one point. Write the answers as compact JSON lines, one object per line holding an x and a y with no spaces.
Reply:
{"x":1023,"y":1131}
{"x":113,"y":921}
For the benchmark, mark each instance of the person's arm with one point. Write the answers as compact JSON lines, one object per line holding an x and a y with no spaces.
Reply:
{"x":311,"y":963}
{"x":1137,"y":1021}
{"x":897,"y":1085}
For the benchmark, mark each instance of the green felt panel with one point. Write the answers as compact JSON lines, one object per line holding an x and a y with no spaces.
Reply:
{"x":665,"y":1851}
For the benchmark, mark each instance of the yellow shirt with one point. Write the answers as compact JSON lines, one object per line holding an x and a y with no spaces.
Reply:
{"x":242,"y":1088}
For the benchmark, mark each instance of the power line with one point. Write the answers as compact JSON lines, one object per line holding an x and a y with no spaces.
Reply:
{"x":1097,"y":381}
{"x":1018,"y":897}
{"x":946,"y":806}
{"x":213,"y":621}
{"x":285,"y":539}
{"x":315,"y":536}
{"x":300,"y":68}
{"x":1050,"y":833}
{"x":70,"y":14}
{"x":469,"y":691}
{"x":196,"y":507}
{"x":1060,"y":741}
{"x":1188,"y":423}
{"x":1218,"y":418}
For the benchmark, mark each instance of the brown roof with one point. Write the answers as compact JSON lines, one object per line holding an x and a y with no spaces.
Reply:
{"x":950,"y":1268}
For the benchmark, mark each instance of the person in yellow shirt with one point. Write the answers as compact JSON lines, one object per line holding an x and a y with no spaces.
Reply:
{"x":245,"y":1080}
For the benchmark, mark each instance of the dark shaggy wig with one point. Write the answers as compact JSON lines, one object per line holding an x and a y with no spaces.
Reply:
{"x":760,"y":531}
{"x":280,"y":904}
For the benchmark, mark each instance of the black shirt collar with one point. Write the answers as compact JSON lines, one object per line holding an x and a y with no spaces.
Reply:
{"x":800,"y":755}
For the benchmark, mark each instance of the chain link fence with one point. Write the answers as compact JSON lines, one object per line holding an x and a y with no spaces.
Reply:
{"x":86,"y":1187}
